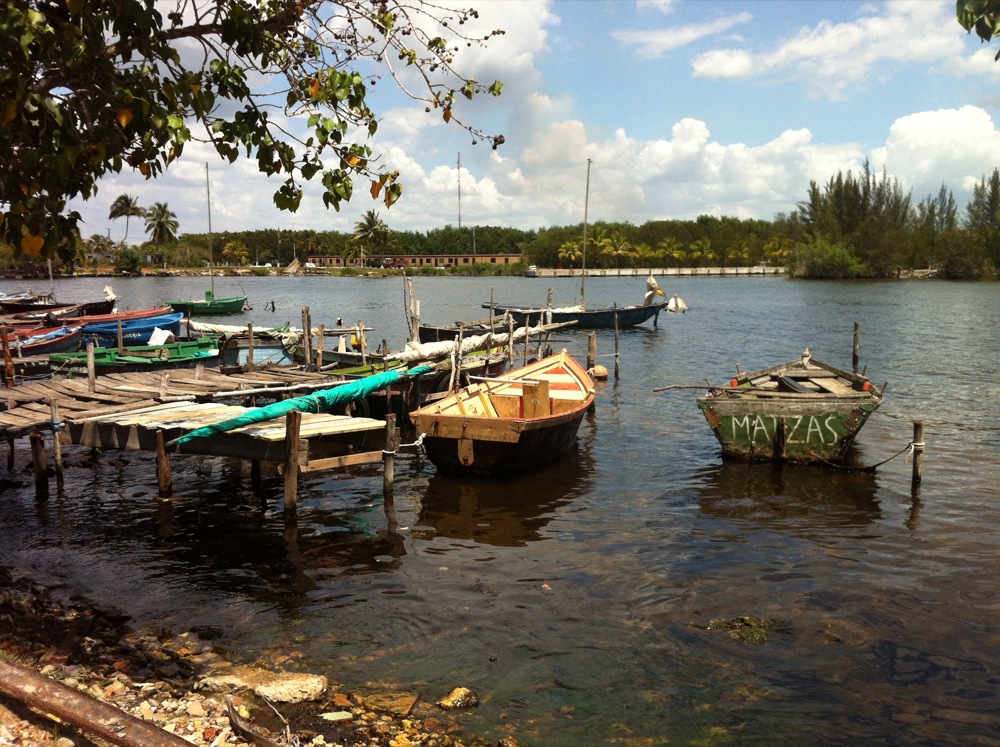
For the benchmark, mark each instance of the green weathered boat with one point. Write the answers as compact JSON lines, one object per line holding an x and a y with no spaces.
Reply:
{"x":211,"y":306}
{"x":799,"y":411}
{"x":183,"y":354}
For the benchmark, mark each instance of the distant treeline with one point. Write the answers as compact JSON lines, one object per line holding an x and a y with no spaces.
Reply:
{"x":852,"y":226}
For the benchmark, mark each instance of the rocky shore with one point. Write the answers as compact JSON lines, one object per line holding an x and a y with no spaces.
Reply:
{"x":185,"y":686}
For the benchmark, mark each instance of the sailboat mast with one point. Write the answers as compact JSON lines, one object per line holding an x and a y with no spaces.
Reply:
{"x":211,"y":253}
{"x":586,"y":204}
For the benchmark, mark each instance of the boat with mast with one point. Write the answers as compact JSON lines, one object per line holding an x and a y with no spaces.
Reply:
{"x":580,"y":315}
{"x":210,"y":305}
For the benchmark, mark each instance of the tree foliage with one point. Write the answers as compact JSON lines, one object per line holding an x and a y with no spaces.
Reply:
{"x":88,"y":88}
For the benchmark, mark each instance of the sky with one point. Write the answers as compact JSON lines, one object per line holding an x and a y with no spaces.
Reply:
{"x":682,"y":107}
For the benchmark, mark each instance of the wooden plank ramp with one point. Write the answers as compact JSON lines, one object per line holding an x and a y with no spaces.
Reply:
{"x":146,"y":410}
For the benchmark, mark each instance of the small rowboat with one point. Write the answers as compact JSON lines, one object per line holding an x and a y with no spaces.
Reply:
{"x":127,"y":315}
{"x":507,"y":424}
{"x":44,"y":340}
{"x":134,"y":331}
{"x":183,"y":354}
{"x":799,"y":411}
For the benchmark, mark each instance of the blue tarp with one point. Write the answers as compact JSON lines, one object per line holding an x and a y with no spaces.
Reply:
{"x":323,"y":400}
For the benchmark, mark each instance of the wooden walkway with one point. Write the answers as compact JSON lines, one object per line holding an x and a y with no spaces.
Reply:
{"x":27,"y":408}
{"x":144,"y":411}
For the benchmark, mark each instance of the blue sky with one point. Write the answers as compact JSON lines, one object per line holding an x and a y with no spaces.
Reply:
{"x":684,"y":107}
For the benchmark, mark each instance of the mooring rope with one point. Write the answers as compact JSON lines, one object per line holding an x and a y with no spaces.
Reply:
{"x":908,"y":449}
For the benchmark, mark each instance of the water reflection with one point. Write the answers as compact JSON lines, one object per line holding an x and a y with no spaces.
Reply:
{"x":501,"y":513}
{"x":771,"y":494}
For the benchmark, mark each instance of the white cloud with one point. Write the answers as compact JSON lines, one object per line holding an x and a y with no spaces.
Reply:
{"x":655,"y":42}
{"x":832,"y":56}
{"x":956,"y":147}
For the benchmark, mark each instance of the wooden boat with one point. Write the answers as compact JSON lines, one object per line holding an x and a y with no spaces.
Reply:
{"x":507,"y":424}
{"x":438,"y":332}
{"x":604,"y":318}
{"x":44,"y":340}
{"x":34,"y":307}
{"x":799,"y":411}
{"x":134,"y":331}
{"x":182,"y":354}
{"x":269,"y":344}
{"x":43,"y":303}
{"x":127,"y":315}
{"x":210,"y":306}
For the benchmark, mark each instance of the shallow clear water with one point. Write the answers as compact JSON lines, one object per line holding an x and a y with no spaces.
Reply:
{"x":578,"y":600}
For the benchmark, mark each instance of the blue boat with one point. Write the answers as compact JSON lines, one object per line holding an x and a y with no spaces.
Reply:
{"x":134,"y":331}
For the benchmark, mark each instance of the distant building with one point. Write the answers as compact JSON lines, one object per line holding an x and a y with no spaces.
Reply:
{"x":443,"y":261}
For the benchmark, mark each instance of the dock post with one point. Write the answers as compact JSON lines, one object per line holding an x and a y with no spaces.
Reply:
{"x":856,"y":357}
{"x":91,"y":369}
{"x":255,"y":476}
{"x":389,"y":453}
{"x":307,"y":337}
{"x":56,"y":445}
{"x":249,"y":348}
{"x":510,"y":333}
{"x":591,"y":351}
{"x":918,"y":454}
{"x":164,"y":475}
{"x":617,"y":353}
{"x":293,"y":425}
{"x":8,"y":361}
{"x":41,"y":469}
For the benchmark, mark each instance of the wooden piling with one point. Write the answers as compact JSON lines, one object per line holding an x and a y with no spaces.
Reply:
{"x":321,"y":344}
{"x":8,"y":361}
{"x":256,"y":483}
{"x":91,"y":369}
{"x":250,"y":344}
{"x":164,"y":474}
{"x":293,"y":426}
{"x":591,"y":351}
{"x":918,"y":453}
{"x":307,"y":336}
{"x":617,"y":349}
{"x":389,"y":453}
{"x":40,"y":467}
{"x":856,"y":357}
{"x":56,"y":444}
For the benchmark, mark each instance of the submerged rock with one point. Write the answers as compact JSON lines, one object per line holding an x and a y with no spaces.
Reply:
{"x":280,"y":687}
{"x":460,"y":697}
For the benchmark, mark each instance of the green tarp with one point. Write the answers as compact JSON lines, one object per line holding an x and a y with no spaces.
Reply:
{"x":323,"y":400}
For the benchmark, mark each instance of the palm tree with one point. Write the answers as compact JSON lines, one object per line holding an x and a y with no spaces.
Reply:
{"x":161,"y":224}
{"x":125,"y":206}
{"x":617,"y":246}
{"x":370,"y":231}
{"x":570,"y":252}
{"x":668,"y":248}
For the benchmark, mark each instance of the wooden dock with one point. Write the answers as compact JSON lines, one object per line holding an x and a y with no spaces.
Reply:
{"x":143,"y":411}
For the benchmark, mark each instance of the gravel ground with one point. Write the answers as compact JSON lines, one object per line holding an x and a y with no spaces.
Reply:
{"x":162,"y":677}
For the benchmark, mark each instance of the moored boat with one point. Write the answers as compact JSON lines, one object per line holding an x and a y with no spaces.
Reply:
{"x":127,"y":315}
{"x":800,"y":411}
{"x":133,"y":331}
{"x":510,"y":423}
{"x":182,"y":354}
{"x":210,"y":305}
{"x":438,"y":332}
{"x":44,"y":340}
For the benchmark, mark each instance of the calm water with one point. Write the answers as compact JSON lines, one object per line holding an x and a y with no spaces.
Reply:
{"x":578,"y":601}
